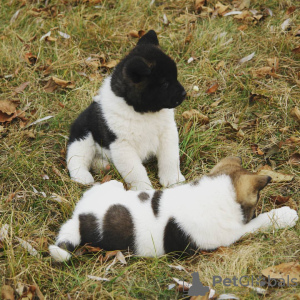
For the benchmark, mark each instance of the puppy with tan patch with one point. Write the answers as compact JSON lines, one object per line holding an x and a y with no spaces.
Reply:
{"x":213,"y":211}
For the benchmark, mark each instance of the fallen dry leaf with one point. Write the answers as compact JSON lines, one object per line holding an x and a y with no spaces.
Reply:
{"x":276,"y":177}
{"x":55,"y":83}
{"x":286,"y":24}
{"x":290,"y":10}
{"x":98,"y":278}
{"x":285,"y":271}
{"x":216,"y":103}
{"x":242,"y":27}
{"x":120,"y":257}
{"x":45,"y":35}
{"x":30,"y":58}
{"x":232,"y":13}
{"x":111,"y":64}
{"x":106,"y":178}
{"x":110,"y":255}
{"x":261,"y":72}
{"x":257,"y":98}
{"x":221,"y":8}
{"x":184,"y":18}
{"x":292,"y":140}
{"x":8,"y":106}
{"x":212,"y":89}
{"x":280,"y":199}
{"x":295,"y":159}
{"x":21,"y":88}
{"x":199,"y":4}
{"x":64,"y":35}
{"x":193,"y":113}
{"x":179,"y":268}
{"x":40,"y":120}
{"x":32,"y":251}
{"x":91,"y":249}
{"x":246,"y":58}
{"x":243,"y":4}
{"x":7,"y":292}
{"x":256,"y":150}
{"x":295,"y":113}
{"x":273,"y":63}
{"x":136,"y":34}
{"x":15,"y":16}
{"x":244,"y":15}
{"x":50,"y":39}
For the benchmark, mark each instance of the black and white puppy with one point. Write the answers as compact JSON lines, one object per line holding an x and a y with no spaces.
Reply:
{"x":131,"y":119}
{"x":214,"y":211}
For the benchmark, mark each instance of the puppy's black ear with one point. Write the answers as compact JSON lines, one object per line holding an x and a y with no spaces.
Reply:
{"x":149,"y":38}
{"x":136,"y":69}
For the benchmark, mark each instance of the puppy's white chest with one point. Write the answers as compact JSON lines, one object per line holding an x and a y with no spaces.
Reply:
{"x":141,"y":130}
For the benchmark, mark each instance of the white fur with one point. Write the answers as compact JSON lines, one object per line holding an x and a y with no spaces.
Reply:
{"x":138,"y":137}
{"x":59,"y":254}
{"x":207,"y":212}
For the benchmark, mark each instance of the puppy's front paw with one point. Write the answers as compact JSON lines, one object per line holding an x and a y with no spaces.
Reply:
{"x":83,"y":177}
{"x":171,"y":179}
{"x":140,"y":186}
{"x":283,"y":217}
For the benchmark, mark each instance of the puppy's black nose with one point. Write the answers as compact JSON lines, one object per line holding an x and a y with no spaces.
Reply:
{"x":183,"y":94}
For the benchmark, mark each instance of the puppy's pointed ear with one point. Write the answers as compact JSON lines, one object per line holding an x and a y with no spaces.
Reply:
{"x":149,"y":38}
{"x":136,"y":69}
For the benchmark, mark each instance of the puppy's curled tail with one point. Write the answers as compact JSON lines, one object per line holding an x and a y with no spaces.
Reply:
{"x":68,"y":239}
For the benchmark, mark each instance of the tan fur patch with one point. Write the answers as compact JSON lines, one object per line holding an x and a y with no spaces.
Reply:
{"x":247,"y":185}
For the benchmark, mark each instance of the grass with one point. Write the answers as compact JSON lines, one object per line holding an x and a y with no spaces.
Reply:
{"x":26,"y":154}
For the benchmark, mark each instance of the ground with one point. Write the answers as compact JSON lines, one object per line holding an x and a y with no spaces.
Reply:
{"x":248,"y":113}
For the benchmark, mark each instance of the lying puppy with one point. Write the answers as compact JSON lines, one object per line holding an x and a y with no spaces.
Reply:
{"x":131,"y":119}
{"x":213,"y":211}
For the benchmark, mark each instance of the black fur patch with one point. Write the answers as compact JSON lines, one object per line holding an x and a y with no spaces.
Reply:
{"x":92,"y":121}
{"x":66,"y":246}
{"x":176,"y":240}
{"x":143,"y":196}
{"x":118,"y":229}
{"x":155,"y":202}
{"x":89,"y":230}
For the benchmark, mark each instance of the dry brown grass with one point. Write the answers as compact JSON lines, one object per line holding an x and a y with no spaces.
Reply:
{"x":28,"y":153}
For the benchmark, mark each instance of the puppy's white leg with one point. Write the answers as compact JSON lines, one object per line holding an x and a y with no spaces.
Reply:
{"x":168,"y":158}
{"x":279,"y":218}
{"x":130,"y":166}
{"x":67,"y":240}
{"x":80,"y":155}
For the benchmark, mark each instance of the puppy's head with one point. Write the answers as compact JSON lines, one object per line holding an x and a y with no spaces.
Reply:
{"x":247,"y":185}
{"x":147,"y":78}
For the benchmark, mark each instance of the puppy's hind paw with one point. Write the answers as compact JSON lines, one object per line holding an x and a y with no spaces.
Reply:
{"x":283,"y":217}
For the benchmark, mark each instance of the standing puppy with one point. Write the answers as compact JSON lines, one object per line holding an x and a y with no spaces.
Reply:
{"x":131,"y":119}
